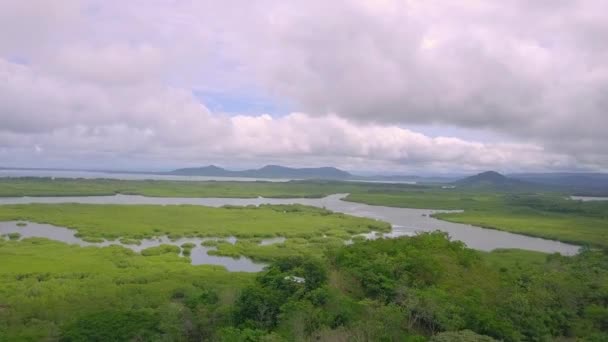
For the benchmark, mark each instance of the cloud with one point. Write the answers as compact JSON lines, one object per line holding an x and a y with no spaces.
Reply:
{"x":535,"y":71}
{"x":116,"y":79}
{"x":156,"y":122}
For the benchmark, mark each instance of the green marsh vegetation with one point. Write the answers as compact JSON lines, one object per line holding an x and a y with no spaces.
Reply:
{"x":133,"y":222}
{"x":13,"y":236}
{"x":547,"y":215}
{"x":33,"y":186}
{"x":544,"y":214}
{"x":412,"y":288}
{"x":50,"y":290}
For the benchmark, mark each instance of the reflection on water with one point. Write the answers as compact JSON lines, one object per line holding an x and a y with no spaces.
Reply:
{"x":404,"y":221}
{"x":588,"y":198}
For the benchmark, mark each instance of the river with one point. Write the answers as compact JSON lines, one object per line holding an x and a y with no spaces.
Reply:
{"x":404,"y":221}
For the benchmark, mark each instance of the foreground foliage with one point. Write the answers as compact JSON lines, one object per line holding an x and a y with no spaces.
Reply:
{"x":407,"y":289}
{"x":50,"y":290}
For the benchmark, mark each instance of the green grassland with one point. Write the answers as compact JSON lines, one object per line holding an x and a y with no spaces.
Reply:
{"x":547,"y":215}
{"x":146,"y":221}
{"x":17,"y":187}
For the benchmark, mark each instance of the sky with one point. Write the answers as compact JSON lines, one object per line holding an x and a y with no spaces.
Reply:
{"x":393,"y":87}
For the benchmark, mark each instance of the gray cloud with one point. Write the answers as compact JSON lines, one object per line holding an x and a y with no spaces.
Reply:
{"x":116,"y":78}
{"x":147,"y":120}
{"x":533,"y":70}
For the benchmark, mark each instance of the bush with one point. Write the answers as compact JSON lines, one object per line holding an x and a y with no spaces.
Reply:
{"x":162,"y":249}
{"x":91,"y":239}
{"x":14,"y":236}
{"x":113,"y":326}
{"x":188,"y":245}
{"x":461,"y":336}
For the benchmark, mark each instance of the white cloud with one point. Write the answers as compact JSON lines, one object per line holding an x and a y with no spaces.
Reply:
{"x":111,"y":78}
{"x":156,"y":122}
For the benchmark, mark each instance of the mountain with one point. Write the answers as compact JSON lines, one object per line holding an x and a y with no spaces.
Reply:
{"x":268,"y":171}
{"x":406,"y":179}
{"x":210,"y":171}
{"x":491,"y":179}
{"x":591,"y":184}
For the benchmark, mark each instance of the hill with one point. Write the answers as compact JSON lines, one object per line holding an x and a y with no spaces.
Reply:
{"x":492,"y":180}
{"x":268,"y":171}
{"x":590,"y":184}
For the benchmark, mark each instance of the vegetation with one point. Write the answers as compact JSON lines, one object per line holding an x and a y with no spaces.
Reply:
{"x":406,"y":289}
{"x":546,"y":215}
{"x":34,"y":186}
{"x":543,"y":213}
{"x":135,"y":222}
{"x":421,"y":288}
{"x":14,"y":236}
{"x":127,"y":241}
{"x":50,"y":291}
{"x":436,"y":285}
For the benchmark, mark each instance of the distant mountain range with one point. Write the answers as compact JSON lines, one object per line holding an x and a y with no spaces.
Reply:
{"x":589,"y":184}
{"x":268,"y":171}
{"x":277,"y":171}
{"x":582,"y":183}
{"x":586,"y":184}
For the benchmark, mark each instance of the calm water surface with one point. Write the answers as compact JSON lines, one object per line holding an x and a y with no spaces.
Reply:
{"x":404,"y":221}
{"x":588,"y":198}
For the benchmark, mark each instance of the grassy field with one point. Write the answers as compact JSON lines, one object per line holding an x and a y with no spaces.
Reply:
{"x":17,"y":187}
{"x":146,"y":221}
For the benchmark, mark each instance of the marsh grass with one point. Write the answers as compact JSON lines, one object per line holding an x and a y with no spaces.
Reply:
{"x":35,"y":186}
{"x":160,"y":250}
{"x":135,"y":222}
{"x":127,"y":241}
{"x":13,"y":236}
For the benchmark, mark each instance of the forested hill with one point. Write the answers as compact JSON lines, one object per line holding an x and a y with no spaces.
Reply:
{"x":494,"y":180}
{"x":268,"y":171}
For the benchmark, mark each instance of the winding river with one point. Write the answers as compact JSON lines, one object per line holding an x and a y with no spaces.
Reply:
{"x":404,"y":221}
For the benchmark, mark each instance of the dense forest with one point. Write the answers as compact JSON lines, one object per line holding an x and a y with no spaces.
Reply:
{"x":407,"y":289}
